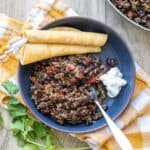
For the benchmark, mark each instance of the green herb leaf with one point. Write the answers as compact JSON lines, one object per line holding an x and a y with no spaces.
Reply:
{"x":13,"y":101}
{"x":30,"y":133}
{"x":18,"y":125}
{"x":30,"y":147}
{"x":1,"y":119}
{"x":19,"y":113}
{"x":52,"y":147}
{"x":41,"y":130}
{"x":102,"y":94}
{"x":49,"y":140}
{"x":28,"y":123}
{"x":10,"y":87}
{"x":20,"y":139}
{"x":74,"y":148}
{"x":16,"y":109}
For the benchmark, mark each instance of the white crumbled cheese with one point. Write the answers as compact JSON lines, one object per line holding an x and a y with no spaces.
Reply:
{"x":113,"y":80}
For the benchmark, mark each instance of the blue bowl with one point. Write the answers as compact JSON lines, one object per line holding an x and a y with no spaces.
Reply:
{"x":115,"y":47}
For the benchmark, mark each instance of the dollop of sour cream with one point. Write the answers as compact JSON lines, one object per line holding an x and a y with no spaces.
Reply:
{"x":113,"y":80}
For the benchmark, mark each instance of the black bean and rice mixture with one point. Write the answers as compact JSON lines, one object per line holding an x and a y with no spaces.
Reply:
{"x":136,"y":10}
{"x":60,"y":88}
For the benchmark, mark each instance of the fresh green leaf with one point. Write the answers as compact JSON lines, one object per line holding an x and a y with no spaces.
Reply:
{"x":28,"y":123}
{"x":1,"y":119}
{"x":16,"y":109}
{"x":20,"y":139}
{"x":49,"y":140}
{"x":10,"y":87}
{"x":30,"y":147}
{"x":30,"y":133}
{"x":39,"y":74}
{"x":18,"y":125}
{"x":102,"y":94}
{"x":41,"y":130}
{"x":74,"y":148}
{"x":21,"y":111}
{"x":13,"y":101}
{"x":52,"y":147}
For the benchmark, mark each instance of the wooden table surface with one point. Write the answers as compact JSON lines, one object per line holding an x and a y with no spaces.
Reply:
{"x":137,"y":39}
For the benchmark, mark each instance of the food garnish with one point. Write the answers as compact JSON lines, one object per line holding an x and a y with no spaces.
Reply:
{"x":30,"y":133}
{"x":1,"y":120}
{"x":113,"y":80}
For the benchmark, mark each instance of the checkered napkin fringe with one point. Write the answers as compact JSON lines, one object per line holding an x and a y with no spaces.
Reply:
{"x":135,"y":121}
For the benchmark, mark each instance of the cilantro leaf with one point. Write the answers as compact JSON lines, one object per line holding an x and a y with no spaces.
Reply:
{"x":18,"y":125}
{"x":19,"y":113}
{"x":30,"y":147}
{"x":10,"y":87}
{"x":28,"y":123}
{"x":52,"y":147}
{"x":75,"y":148}
{"x":1,"y":119}
{"x":30,"y":133}
{"x":20,"y":139}
{"x":16,"y":109}
{"x":41,"y":130}
{"x":13,"y":101}
{"x":49,"y":140}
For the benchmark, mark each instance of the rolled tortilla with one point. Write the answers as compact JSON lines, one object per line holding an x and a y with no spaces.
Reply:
{"x":35,"y":52}
{"x":65,"y":37}
{"x":63,"y":28}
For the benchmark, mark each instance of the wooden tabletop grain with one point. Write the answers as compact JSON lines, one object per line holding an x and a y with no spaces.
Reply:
{"x":137,"y":39}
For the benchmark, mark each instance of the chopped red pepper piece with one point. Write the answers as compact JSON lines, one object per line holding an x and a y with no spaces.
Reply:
{"x":73,"y":80}
{"x":81,"y":76}
{"x":92,"y":80}
{"x":33,"y":79}
{"x":88,"y":59}
{"x":51,"y":68}
{"x":71,"y":66}
{"x":61,"y":95}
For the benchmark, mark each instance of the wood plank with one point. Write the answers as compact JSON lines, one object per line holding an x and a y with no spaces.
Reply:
{"x":89,"y":8}
{"x":16,"y":8}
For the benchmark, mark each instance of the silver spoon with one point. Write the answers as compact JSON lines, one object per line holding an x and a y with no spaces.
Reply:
{"x":121,"y":139}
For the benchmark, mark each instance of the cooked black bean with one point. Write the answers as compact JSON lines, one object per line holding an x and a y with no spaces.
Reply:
{"x":112,"y":62}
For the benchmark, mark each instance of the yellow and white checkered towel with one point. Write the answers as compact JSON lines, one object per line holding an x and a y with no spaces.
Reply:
{"x":135,"y":121}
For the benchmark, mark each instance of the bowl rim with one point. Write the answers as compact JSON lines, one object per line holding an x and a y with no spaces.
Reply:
{"x":126,"y":18}
{"x":129,"y":96}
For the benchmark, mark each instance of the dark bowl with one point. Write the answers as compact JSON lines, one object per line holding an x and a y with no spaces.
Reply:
{"x":115,"y":47}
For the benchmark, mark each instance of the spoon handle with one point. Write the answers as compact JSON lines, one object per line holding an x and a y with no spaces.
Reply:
{"x":117,"y":133}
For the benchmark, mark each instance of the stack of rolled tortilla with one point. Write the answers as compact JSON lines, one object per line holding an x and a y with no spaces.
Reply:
{"x":60,"y":41}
